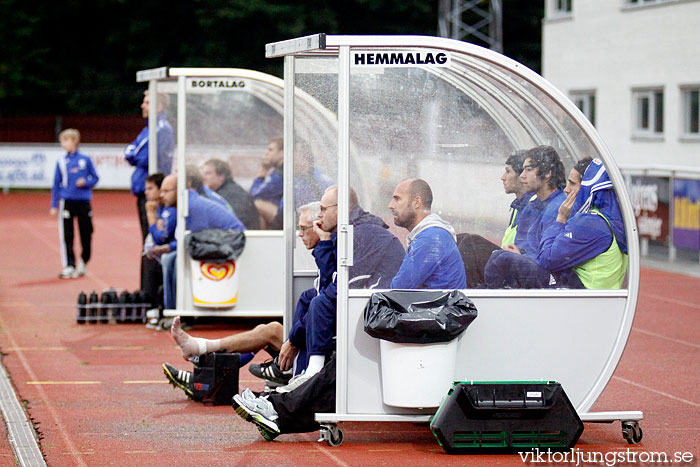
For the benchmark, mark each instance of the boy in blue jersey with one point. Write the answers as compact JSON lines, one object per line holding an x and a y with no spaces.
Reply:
{"x":70,"y":196}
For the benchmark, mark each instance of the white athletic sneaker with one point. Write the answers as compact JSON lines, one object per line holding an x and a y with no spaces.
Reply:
{"x":81,"y":269}
{"x":68,"y":273}
{"x":259,"y":411}
{"x":294,"y":383}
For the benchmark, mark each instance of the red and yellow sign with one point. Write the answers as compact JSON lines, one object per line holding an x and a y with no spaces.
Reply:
{"x":218,"y":271}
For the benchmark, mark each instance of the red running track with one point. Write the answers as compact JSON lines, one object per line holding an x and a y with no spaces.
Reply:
{"x":114,"y":407}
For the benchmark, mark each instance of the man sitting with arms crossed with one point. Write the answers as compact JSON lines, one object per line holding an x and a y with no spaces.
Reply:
{"x":438,"y":265}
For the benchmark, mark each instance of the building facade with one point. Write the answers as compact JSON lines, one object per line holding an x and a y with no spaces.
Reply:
{"x":633,"y":68}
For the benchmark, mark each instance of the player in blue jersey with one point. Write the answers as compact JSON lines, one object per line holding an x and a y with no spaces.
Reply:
{"x":71,"y":194}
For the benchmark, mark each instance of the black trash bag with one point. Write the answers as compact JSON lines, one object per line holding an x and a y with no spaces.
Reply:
{"x":418,"y":316}
{"x":215,"y":245}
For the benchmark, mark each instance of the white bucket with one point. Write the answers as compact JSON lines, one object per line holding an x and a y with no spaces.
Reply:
{"x":417,"y":375}
{"x":214,"y":285}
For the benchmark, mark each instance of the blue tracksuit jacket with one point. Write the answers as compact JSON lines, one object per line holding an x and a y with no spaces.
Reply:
{"x":536,"y":217}
{"x":169,"y":217}
{"x":206,"y":214}
{"x":136,"y":153}
{"x":583,"y":237}
{"x":432,"y":261}
{"x":69,"y":169}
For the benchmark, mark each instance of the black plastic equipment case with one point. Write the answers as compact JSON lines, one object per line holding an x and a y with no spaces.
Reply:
{"x":215,"y":378}
{"x":506,"y":417}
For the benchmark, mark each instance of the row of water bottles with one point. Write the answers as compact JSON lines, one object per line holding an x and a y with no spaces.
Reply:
{"x":112,"y":306}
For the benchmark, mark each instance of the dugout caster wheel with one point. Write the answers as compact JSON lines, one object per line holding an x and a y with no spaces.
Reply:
{"x":82,"y":311}
{"x":331,"y":434}
{"x":632,"y":432}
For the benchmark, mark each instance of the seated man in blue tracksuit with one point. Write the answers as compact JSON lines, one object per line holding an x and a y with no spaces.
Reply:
{"x":267,"y":188}
{"x":161,"y":230}
{"x":432,"y":260}
{"x":513,"y":185}
{"x":203,"y":214}
{"x":591,"y":245}
{"x":378,"y":255}
{"x":543,"y":174}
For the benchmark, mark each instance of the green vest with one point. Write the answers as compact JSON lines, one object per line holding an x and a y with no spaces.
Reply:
{"x":511,"y":231}
{"x":607,"y":270}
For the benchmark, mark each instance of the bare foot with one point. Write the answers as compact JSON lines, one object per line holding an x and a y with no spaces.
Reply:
{"x":188,"y":344}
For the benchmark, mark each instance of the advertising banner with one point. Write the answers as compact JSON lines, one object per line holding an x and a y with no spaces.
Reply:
{"x":686,"y":214}
{"x":33,"y":166}
{"x":649,"y":196}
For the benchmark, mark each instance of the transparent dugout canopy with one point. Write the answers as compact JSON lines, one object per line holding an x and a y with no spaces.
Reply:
{"x":451,"y":120}
{"x":451,"y":113}
{"x":229,"y":114}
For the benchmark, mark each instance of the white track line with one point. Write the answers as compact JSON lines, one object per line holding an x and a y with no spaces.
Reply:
{"x":52,"y":411}
{"x":661,"y":336}
{"x":670,"y":396}
{"x":327,"y":453}
{"x":672,"y":300}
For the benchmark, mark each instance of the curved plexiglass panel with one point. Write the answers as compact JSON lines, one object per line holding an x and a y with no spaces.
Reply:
{"x":237,"y":123}
{"x":455,"y":127}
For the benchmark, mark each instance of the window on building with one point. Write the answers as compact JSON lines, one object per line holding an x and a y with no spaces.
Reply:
{"x":585,"y":101}
{"x":691,"y":111}
{"x":563,"y":6}
{"x":559,"y":8}
{"x":645,"y":2}
{"x":648,"y":112}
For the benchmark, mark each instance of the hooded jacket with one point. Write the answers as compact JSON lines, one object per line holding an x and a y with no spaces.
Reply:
{"x":432,"y":260}
{"x":589,"y":233}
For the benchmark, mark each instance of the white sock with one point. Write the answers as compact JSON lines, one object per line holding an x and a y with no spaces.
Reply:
{"x":315,"y":365}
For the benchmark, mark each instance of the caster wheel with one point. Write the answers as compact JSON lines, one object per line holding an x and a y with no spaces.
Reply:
{"x":632,"y":432}
{"x":332,"y":435}
{"x":336,"y":437}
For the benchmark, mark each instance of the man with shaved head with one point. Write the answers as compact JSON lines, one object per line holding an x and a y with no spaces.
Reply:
{"x":432,"y":259}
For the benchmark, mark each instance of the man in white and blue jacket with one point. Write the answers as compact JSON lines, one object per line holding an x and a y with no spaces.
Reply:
{"x":136,"y":154}
{"x":71,"y":194}
{"x":432,"y":259}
